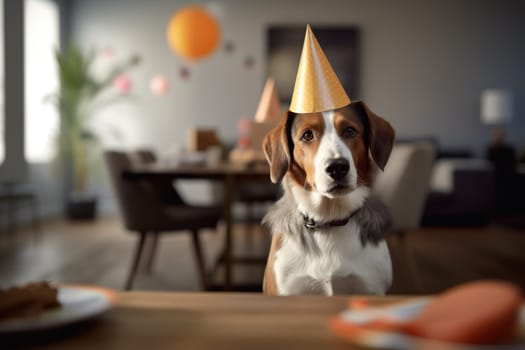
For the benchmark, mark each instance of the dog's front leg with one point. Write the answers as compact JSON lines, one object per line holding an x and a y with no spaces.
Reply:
{"x":303,"y":284}
{"x":291,"y":277}
{"x":352,"y":284}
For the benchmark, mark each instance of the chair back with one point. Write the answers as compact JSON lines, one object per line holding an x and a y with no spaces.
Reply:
{"x":136,"y":200}
{"x":404,"y":184}
{"x":145,"y":156}
{"x":164,"y":188}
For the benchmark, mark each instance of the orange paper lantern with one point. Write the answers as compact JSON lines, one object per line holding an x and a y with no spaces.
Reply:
{"x":193,"y":33}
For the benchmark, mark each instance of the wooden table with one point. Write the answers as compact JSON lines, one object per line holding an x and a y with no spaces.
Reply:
{"x":229,"y":174}
{"x":155,"y":320}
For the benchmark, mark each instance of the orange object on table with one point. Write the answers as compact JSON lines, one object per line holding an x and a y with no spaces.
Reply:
{"x":484,"y":312}
{"x":477,"y":313}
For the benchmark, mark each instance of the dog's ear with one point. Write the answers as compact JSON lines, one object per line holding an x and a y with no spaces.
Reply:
{"x":277,"y":149}
{"x":381,"y":137}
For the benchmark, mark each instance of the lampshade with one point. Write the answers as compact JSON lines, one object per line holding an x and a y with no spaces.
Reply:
{"x":496,"y":106}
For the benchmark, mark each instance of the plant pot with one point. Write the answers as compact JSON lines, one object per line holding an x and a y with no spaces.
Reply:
{"x":81,"y":208}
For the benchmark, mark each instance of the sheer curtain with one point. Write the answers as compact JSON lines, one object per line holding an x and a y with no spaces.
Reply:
{"x":41,"y":38}
{"x":2,"y":83}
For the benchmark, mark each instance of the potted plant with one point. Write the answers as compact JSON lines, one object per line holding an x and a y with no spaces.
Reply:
{"x":80,"y":95}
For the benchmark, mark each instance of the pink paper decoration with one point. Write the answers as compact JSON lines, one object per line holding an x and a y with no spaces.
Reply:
{"x":243,"y":142}
{"x":108,"y":53}
{"x":122,"y":83}
{"x":243,"y":126}
{"x":159,"y":85}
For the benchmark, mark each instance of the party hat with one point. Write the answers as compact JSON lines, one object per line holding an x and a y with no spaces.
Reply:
{"x":269,"y":109}
{"x":317,"y":88}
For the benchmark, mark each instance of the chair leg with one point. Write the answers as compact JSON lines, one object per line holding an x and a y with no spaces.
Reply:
{"x":35,"y":220}
{"x":410,"y":263}
{"x":136,"y":261}
{"x":200,"y":259}
{"x":10,"y":216}
{"x":152,"y":252}
{"x":250,"y":223}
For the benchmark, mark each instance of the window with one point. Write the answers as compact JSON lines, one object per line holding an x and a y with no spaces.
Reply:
{"x":2,"y":108}
{"x":41,"y":39}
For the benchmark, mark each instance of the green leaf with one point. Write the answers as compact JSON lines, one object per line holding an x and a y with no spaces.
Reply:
{"x":77,"y":100}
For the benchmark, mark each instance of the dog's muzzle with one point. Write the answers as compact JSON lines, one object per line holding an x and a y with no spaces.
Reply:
{"x":338,"y":168}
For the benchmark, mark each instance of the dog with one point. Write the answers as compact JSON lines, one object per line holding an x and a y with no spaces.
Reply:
{"x":327,"y":230}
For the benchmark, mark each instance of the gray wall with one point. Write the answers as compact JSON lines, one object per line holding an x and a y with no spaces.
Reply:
{"x":424,"y":63}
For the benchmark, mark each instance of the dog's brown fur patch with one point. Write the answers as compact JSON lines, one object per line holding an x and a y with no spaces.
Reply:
{"x":346,"y":117}
{"x":303,"y":168}
{"x":269,"y":285}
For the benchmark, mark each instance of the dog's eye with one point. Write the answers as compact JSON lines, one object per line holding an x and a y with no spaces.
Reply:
{"x":307,"y":136}
{"x":350,"y":132}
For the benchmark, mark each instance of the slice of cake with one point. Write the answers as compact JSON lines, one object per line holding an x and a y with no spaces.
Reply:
{"x":28,"y":300}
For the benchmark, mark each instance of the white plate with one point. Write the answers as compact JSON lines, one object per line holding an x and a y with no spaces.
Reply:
{"x":78,"y":303}
{"x":405,"y":312}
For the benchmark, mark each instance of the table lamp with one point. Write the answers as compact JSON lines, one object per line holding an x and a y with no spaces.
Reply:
{"x":496,"y":110}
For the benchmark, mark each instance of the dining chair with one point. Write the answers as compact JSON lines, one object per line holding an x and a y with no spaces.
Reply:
{"x":404,"y":184}
{"x":145,"y":212}
{"x":164,"y":187}
{"x":164,"y":190}
{"x":403,"y":187}
{"x":250,"y":194}
{"x":14,"y":197}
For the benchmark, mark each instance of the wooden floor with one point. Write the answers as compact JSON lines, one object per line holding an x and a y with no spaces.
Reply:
{"x":425,"y":261}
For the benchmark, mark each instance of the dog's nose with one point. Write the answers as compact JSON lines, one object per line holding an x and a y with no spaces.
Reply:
{"x":338,"y":168}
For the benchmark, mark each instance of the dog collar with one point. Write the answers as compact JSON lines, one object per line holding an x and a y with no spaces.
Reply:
{"x":313,"y":225}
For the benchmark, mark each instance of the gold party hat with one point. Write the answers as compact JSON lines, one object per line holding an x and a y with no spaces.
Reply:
{"x":317,"y":88}
{"x":269,"y":109}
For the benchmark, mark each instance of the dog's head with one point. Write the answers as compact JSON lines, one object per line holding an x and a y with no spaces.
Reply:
{"x":329,"y":152}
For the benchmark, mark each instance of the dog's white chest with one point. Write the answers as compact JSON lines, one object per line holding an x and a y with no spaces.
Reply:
{"x":332,"y":262}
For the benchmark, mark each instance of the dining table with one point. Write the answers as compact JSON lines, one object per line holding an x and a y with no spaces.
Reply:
{"x":228,"y":173}
{"x":210,"y":320}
